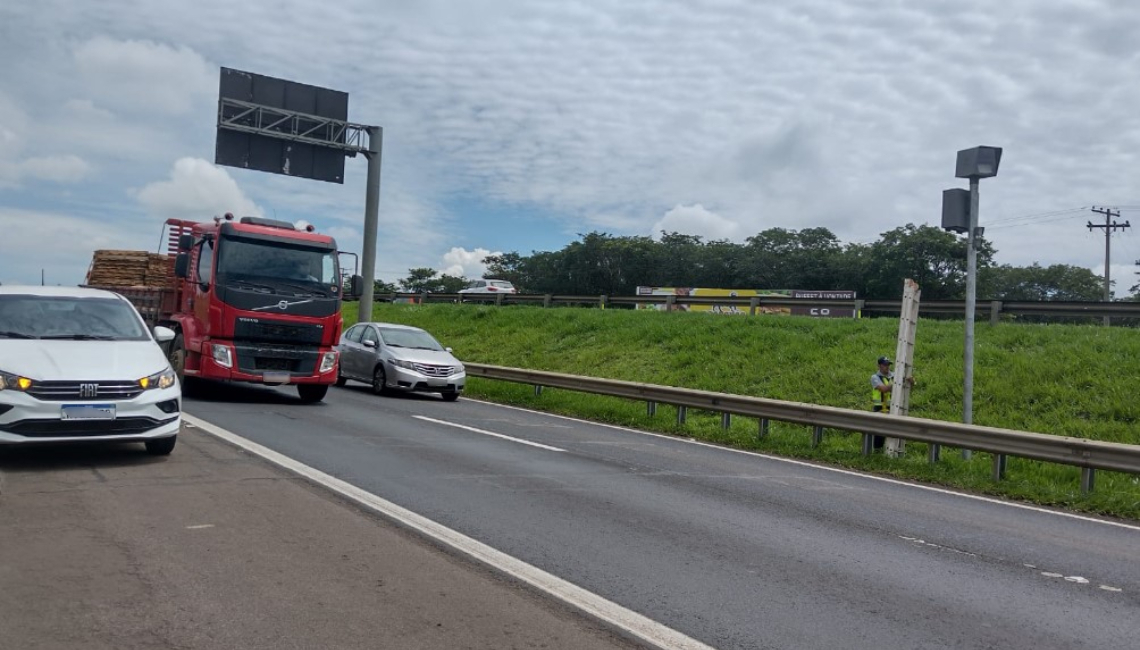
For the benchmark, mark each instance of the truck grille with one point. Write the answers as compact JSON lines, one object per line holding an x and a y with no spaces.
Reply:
{"x":80,"y":391}
{"x":278,"y":331}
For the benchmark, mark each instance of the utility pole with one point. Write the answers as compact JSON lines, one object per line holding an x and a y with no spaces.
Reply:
{"x":1109,"y":225}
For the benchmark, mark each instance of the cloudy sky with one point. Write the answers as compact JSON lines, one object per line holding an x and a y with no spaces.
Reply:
{"x":515,"y":126}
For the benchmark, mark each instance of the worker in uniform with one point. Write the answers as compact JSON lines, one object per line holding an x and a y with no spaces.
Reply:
{"x":882,"y":383}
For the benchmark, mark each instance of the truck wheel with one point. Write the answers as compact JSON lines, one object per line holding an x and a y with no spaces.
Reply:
{"x":177,"y":357}
{"x":311,"y":393}
{"x":379,"y":380}
{"x":161,"y":446}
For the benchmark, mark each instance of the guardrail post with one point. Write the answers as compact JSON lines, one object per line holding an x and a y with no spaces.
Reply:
{"x":680,"y":415}
{"x":859,"y":304}
{"x":602,"y":301}
{"x":995,"y":311}
{"x":499,"y":299}
{"x":753,"y":303}
{"x":651,"y":408}
{"x":537,"y":390}
{"x":999,"y":466}
{"x":816,"y":436}
{"x":1088,"y":479}
{"x":933,"y":452}
{"x":867,"y":439}
{"x":725,"y":420}
{"x":547,"y":300}
{"x":423,"y":298}
{"x":670,"y":301}
{"x":763,"y":428}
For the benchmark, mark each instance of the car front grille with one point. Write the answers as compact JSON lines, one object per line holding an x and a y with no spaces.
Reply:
{"x":434,"y":371}
{"x":81,"y":391}
{"x":78,"y":428}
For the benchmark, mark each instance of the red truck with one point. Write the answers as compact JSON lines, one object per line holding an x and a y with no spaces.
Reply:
{"x":250,"y":299}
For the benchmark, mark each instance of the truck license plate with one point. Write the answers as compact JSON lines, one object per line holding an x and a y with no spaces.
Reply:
{"x":87,"y":412}
{"x":275,"y":377}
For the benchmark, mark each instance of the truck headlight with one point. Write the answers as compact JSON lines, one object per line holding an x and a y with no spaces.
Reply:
{"x":222,"y":355}
{"x":8,"y":381}
{"x":164,"y":379}
{"x":328,"y":361}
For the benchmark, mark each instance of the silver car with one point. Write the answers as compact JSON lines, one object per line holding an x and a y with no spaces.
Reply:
{"x":399,"y":357}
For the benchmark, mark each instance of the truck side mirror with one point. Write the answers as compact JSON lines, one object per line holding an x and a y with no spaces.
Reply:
{"x":185,"y":242}
{"x":356,"y":286}
{"x":182,"y":265}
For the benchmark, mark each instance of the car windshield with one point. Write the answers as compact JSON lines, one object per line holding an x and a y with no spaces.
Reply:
{"x":252,"y":259}
{"x":408,"y":338}
{"x":69,"y":318}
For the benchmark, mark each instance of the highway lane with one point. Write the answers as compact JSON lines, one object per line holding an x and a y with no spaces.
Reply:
{"x":736,"y":550}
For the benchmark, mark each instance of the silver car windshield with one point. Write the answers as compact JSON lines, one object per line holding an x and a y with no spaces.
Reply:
{"x":69,"y":318}
{"x":405,"y":338}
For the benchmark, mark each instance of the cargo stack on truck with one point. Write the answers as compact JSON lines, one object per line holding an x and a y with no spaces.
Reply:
{"x":250,"y":300}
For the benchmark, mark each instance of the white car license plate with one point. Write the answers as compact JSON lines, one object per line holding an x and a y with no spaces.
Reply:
{"x":87,"y":412}
{"x":275,"y":377}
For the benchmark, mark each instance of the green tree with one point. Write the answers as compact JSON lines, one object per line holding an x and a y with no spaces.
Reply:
{"x":930,"y":256}
{"x":419,"y":280}
{"x":1056,"y":282}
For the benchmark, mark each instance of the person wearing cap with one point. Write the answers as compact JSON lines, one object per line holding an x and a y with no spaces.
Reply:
{"x":882,"y":383}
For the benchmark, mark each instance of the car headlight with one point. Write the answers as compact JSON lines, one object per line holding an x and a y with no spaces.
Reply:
{"x":8,"y":381}
{"x":328,"y":361}
{"x":164,"y":379}
{"x":400,"y":363}
{"x":222,"y":355}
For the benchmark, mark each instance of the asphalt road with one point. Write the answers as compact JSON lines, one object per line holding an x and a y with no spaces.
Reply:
{"x":736,"y":550}
{"x":107,"y":548}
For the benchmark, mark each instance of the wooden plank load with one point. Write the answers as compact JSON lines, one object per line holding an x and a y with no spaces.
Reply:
{"x":116,"y":268}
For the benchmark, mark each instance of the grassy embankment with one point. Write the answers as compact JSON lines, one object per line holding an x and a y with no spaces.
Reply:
{"x":1059,"y":379}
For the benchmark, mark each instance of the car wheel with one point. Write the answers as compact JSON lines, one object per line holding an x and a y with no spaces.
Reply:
{"x":450,"y":395}
{"x":161,"y":446}
{"x":311,"y":393}
{"x":379,"y":380}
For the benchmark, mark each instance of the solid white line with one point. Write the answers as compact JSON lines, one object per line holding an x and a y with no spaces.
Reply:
{"x":592,"y":604}
{"x":827,"y":468}
{"x":486,"y":433}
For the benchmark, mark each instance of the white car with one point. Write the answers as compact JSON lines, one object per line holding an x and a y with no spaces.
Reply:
{"x":489,"y":286}
{"x":80,"y":365}
{"x":390,"y":356}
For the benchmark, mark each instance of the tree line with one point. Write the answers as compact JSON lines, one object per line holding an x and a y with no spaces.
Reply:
{"x":777,"y":258}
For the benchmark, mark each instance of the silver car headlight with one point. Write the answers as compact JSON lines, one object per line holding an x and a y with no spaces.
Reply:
{"x":328,"y":361}
{"x":8,"y":381}
{"x":400,"y":363}
{"x":164,"y":379}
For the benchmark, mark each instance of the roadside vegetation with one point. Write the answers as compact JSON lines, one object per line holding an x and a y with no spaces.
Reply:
{"x":1069,"y":380}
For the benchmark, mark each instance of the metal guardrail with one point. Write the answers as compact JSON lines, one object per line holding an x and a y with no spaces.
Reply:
{"x":992,"y":308}
{"x":1089,"y":455}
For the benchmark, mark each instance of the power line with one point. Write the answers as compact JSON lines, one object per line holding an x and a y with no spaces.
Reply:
{"x":1109,"y":225}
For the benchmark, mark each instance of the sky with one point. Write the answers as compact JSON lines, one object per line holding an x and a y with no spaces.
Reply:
{"x":517,"y":126}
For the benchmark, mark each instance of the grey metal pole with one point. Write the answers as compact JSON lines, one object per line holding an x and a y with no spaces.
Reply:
{"x":371,"y":212}
{"x":1107,"y":261}
{"x":971,"y":298}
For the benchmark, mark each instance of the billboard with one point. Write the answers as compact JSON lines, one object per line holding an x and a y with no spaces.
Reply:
{"x":267,"y":139}
{"x":741,"y":307}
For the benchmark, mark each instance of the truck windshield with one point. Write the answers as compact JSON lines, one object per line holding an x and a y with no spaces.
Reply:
{"x":262,"y":260}
{"x":69,"y":318}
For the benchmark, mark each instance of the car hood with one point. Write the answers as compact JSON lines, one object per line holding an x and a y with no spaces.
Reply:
{"x":433,"y":357}
{"x":81,"y":360}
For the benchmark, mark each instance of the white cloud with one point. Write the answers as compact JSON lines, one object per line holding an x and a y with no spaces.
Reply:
{"x":461,"y":262}
{"x":60,"y":169}
{"x":143,"y":76}
{"x":696,"y":220}
{"x":197,"y":190}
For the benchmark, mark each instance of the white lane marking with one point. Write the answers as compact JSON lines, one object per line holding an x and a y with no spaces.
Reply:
{"x":199,"y":526}
{"x":630,"y":622}
{"x":1115,"y":590}
{"x":923,"y":542}
{"x":486,"y":433}
{"x":837,"y":470}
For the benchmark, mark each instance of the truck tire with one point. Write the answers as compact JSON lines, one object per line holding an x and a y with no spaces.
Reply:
{"x":161,"y":446}
{"x":177,"y":357}
{"x":311,"y":393}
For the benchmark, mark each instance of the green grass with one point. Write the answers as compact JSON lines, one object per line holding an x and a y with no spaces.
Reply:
{"x":1071,"y":380}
